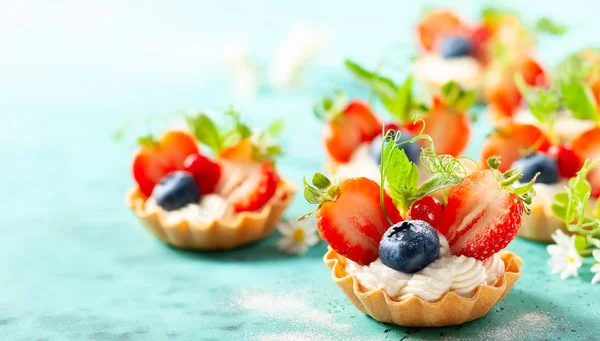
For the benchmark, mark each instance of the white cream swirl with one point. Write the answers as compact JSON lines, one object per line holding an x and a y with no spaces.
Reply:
{"x":460,"y":274}
{"x":361,"y":164}
{"x":211,"y":207}
{"x":436,"y":71}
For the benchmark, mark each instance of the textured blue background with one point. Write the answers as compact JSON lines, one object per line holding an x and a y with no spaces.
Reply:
{"x":75,"y":264}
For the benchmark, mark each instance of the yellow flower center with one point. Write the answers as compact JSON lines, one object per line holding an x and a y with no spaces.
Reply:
{"x":298,"y":235}
{"x":570,"y":259}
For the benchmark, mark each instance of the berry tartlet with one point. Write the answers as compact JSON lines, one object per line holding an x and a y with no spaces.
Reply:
{"x":527,"y":148}
{"x":403,"y":257}
{"x":190,"y":200}
{"x":452,"y":49}
{"x":567,"y":105}
{"x":353,"y":134}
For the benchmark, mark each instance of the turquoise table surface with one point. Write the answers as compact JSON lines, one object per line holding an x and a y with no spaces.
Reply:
{"x":75,"y":264}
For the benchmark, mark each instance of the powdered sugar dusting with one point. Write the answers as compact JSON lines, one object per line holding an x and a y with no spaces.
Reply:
{"x":289,"y":308}
{"x":524,"y":327}
{"x":305,"y":336}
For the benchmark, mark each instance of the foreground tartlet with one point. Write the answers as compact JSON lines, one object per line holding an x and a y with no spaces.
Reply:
{"x":192,"y":201}
{"x":403,"y":257}
{"x":449,"y":309}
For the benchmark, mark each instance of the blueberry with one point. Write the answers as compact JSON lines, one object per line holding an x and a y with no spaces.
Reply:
{"x":409,"y":246}
{"x":453,"y":47}
{"x":175,"y":190}
{"x":412,"y":150}
{"x":538,"y":162}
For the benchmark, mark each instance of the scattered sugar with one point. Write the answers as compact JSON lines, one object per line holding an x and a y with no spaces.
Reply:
{"x":526,"y":326}
{"x":290,"y":308}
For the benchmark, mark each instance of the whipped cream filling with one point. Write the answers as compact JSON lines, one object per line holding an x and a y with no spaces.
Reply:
{"x":460,"y":274}
{"x":545,"y":194}
{"x":211,"y":207}
{"x":434,"y":70}
{"x":361,"y":164}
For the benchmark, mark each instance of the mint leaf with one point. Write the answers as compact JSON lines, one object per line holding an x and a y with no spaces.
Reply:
{"x":403,"y":180}
{"x":493,"y":14}
{"x":206,"y":131}
{"x":329,"y":109}
{"x":546,"y":25}
{"x":579,"y":98}
{"x":380,"y":85}
{"x":580,"y":243}
{"x":455,"y":97}
{"x":398,"y":99}
{"x":543,"y":103}
{"x":275,"y":128}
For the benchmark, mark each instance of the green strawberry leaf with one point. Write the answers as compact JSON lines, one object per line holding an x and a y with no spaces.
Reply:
{"x":328,"y":109}
{"x":546,"y":25}
{"x":579,"y":98}
{"x":380,"y":85}
{"x":543,"y":103}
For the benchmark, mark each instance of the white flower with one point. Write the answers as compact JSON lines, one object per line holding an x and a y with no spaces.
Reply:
{"x":298,"y":236}
{"x":596,"y":267}
{"x":564,"y":258}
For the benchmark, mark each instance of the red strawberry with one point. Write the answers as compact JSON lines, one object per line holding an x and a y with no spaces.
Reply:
{"x":482,"y":217}
{"x":155,"y":159}
{"x":449,"y":130}
{"x":350,"y":217}
{"x":501,"y":92}
{"x":206,"y":171}
{"x":478,"y":38}
{"x":532,"y":72}
{"x":512,"y":141}
{"x":428,"y":209}
{"x":242,"y":151}
{"x":346,"y":131}
{"x":568,"y":162}
{"x":587,"y":146}
{"x":256,"y":189}
{"x":437,"y":25}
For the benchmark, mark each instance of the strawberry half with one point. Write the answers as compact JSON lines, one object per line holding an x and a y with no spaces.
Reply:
{"x":350,"y":217}
{"x":437,"y":25}
{"x":256,"y":189}
{"x":587,"y":146}
{"x":157,"y":158}
{"x":484,"y":213}
{"x":513,"y":141}
{"x":449,"y":129}
{"x":206,"y":171}
{"x":347,"y":130}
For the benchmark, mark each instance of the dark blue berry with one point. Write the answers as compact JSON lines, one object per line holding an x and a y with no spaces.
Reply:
{"x":412,"y":150}
{"x":175,"y":190}
{"x":453,"y":47}
{"x":409,"y":246}
{"x":538,"y":162}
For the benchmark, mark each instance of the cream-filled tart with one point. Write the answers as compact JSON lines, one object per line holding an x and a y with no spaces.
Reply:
{"x":192,"y":200}
{"x":404,"y":257}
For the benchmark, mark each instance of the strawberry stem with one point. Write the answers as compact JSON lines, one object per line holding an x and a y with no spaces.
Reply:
{"x":147,"y":141}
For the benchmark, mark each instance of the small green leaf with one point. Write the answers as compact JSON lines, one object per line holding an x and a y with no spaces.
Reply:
{"x":580,"y":100}
{"x":147,"y":141}
{"x":206,"y":131}
{"x":321,"y":181}
{"x":493,"y":14}
{"x":580,"y":243}
{"x":454,"y":96}
{"x":275,"y":128}
{"x":546,"y":25}
{"x":379,"y":84}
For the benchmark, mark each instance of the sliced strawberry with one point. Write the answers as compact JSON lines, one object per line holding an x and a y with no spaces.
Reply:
{"x":206,"y":171}
{"x":587,"y":146}
{"x":482,"y":217}
{"x":241,"y":151}
{"x":449,"y":130}
{"x":353,"y":222}
{"x":256,"y":189}
{"x":156,"y":158}
{"x":568,"y":162}
{"x":439,"y":24}
{"x":513,"y":141}
{"x":501,"y":92}
{"x":532,"y":72}
{"x":478,"y":38}
{"x":346,"y":131}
